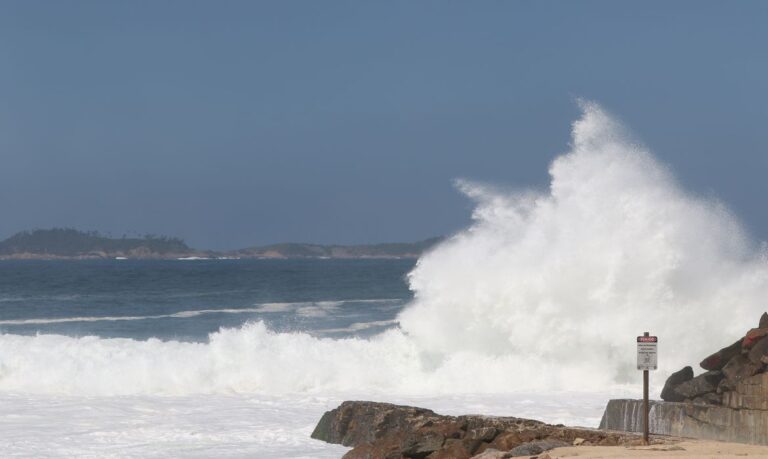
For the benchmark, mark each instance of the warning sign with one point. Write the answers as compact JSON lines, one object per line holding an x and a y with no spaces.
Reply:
{"x":646,"y":352}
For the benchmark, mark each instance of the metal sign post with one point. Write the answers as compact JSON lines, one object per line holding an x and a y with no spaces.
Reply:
{"x":646,"y":360}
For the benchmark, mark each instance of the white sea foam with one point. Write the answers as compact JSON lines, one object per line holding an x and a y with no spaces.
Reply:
{"x":227,"y":425}
{"x":561,"y":282}
{"x":306,"y":308}
{"x":545,"y":291}
{"x":360,"y":326}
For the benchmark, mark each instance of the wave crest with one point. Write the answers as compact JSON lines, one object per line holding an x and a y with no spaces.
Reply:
{"x":543,"y":291}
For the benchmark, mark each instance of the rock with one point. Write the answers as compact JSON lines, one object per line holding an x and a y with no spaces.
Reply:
{"x":700,"y":385}
{"x":725,"y":385}
{"x":752,"y":337}
{"x":674,"y":380}
{"x":422,"y":444}
{"x":718,"y":360}
{"x":453,"y":449}
{"x":383,"y":450}
{"x":491,"y":453}
{"x":609,"y":441}
{"x":740,"y":367}
{"x":500,"y":423}
{"x":483,"y":434}
{"x":509,"y":440}
{"x":578,"y":441}
{"x":710,"y":398}
{"x":763,"y":321}
{"x":385,"y":431}
{"x":535,"y":447}
{"x":759,"y":351}
{"x":355,"y":423}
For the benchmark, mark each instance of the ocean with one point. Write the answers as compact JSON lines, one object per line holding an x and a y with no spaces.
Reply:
{"x":127,"y":358}
{"x":532,"y":311}
{"x":186,"y":300}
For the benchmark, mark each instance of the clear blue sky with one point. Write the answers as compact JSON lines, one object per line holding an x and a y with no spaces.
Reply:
{"x":239,"y":123}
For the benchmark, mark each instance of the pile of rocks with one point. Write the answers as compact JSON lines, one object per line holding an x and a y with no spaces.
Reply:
{"x":385,"y":431}
{"x":736,"y":375}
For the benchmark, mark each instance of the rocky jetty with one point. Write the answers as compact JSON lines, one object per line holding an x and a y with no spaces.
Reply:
{"x":735,"y":376}
{"x":386,"y":431}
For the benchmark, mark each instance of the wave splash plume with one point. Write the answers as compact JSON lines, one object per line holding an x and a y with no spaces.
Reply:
{"x":544,"y":291}
{"x":561,"y":282}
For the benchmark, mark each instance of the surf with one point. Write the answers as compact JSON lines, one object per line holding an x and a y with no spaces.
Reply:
{"x":544,"y":291}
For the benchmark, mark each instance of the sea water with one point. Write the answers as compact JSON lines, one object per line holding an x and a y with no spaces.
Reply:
{"x":126,"y":358}
{"x":531,"y":311}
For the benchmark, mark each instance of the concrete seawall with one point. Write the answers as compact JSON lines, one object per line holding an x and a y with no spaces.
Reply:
{"x":689,"y":420}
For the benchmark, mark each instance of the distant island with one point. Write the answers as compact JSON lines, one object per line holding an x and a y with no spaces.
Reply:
{"x":68,"y":243}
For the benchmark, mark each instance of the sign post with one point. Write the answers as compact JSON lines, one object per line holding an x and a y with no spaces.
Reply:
{"x":646,"y":360}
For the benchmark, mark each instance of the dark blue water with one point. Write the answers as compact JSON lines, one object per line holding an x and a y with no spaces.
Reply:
{"x":187,"y":300}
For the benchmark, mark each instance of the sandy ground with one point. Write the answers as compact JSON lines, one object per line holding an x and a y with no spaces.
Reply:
{"x":685,"y":448}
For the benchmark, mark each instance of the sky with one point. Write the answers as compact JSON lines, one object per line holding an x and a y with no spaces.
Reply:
{"x":233,"y":124}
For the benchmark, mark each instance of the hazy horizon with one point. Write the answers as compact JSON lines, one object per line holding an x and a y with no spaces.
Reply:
{"x":150,"y":235}
{"x":347,"y":122}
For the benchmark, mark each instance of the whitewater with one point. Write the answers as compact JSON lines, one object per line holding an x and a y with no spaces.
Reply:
{"x":530,"y":311}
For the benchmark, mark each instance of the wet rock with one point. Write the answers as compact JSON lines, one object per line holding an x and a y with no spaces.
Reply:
{"x":740,"y":367}
{"x":700,"y":385}
{"x":718,"y":360}
{"x":674,"y":380}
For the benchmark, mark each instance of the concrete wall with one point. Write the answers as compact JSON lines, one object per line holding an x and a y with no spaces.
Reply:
{"x":750,"y":393}
{"x":688,"y":420}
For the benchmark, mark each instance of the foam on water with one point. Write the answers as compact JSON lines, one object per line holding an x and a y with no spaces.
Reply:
{"x":225,"y":425}
{"x":304,"y":308}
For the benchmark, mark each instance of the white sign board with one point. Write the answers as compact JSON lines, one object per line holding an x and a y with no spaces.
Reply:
{"x":646,"y":352}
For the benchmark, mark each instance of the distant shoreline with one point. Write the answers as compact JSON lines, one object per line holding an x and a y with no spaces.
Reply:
{"x":70,"y":244}
{"x":44,"y":257}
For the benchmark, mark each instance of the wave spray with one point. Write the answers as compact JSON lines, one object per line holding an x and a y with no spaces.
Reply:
{"x":561,"y":282}
{"x":544,"y":291}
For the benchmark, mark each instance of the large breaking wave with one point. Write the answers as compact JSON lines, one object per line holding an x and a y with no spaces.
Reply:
{"x":544,"y":291}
